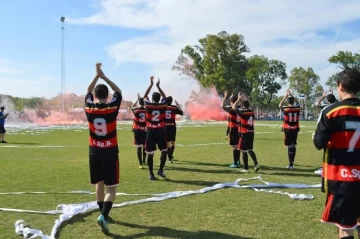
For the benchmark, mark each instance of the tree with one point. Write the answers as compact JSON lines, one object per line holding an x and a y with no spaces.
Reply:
{"x":306,"y":82}
{"x":346,"y":60}
{"x":217,"y":61}
{"x":266,"y":78}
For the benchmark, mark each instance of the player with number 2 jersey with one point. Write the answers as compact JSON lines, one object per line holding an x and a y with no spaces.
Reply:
{"x":103,"y":145}
{"x":290,"y":127}
{"x":155,"y":128}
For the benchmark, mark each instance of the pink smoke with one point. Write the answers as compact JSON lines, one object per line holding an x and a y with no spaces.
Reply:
{"x":205,"y":105}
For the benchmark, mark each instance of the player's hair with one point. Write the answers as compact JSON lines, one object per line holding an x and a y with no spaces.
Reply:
{"x":101,"y":92}
{"x":156,"y":97}
{"x":246,"y":104}
{"x":141,"y":102}
{"x":350,"y":81}
{"x":169,"y":100}
{"x":291,"y":100}
{"x":331,"y":98}
{"x":2,"y":108}
{"x":233,"y":99}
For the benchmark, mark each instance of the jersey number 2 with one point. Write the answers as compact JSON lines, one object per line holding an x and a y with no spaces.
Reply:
{"x":155,"y":115}
{"x":100,"y":126}
{"x":356,"y":136}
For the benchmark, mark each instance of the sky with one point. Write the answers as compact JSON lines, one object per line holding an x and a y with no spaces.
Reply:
{"x":135,"y":39}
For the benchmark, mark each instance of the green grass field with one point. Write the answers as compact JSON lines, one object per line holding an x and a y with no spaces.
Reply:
{"x":224,"y":213}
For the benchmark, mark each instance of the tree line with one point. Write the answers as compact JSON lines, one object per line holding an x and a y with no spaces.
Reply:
{"x":219,"y":60}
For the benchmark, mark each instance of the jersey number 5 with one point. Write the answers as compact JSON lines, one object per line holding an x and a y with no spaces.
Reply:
{"x":155,"y":115}
{"x":100,"y":126}
{"x":356,"y":136}
{"x":168,"y":114}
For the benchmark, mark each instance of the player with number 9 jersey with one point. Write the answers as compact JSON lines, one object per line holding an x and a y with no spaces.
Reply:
{"x":102,"y":123}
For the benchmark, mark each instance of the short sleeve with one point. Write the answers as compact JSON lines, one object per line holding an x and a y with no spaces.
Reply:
{"x":227,"y":108}
{"x":116,"y":100}
{"x":322,"y":132}
{"x":89,"y":99}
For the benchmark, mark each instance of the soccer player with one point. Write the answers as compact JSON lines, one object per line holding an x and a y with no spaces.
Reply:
{"x":139,"y":130}
{"x":233,"y":124}
{"x":246,"y":132}
{"x":290,"y":125}
{"x":338,"y":132}
{"x":170,"y":125}
{"x":2,"y":124}
{"x":103,"y":145}
{"x":155,"y":132}
{"x":330,"y":98}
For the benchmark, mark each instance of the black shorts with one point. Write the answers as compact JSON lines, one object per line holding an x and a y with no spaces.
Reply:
{"x":342,"y":210}
{"x":246,"y":141}
{"x":104,"y":167}
{"x":290,"y":138}
{"x":155,"y":137}
{"x":233,"y":136}
{"x":139,"y":137}
{"x":170,"y":133}
{"x":2,"y":129}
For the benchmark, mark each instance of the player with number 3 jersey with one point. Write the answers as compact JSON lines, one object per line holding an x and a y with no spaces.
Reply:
{"x":338,"y":133}
{"x":103,"y":145}
{"x":139,"y":130}
{"x":246,"y":132}
{"x":155,"y":128}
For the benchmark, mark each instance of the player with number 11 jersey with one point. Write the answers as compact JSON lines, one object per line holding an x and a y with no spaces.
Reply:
{"x":290,"y":125}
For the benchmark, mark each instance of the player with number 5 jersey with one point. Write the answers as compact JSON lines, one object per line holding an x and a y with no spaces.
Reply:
{"x":338,"y":133}
{"x":170,"y":125}
{"x":103,"y":145}
{"x":291,"y":126}
{"x":155,"y":128}
{"x":139,"y":129}
{"x":246,"y":132}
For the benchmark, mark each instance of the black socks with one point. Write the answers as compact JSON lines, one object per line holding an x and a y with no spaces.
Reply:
{"x":162,"y":160}
{"x":151,"y":163}
{"x":106,"y":209}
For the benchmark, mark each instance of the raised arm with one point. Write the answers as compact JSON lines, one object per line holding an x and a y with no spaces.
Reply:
{"x":113,"y":86}
{"x":237,"y":101}
{"x":160,"y":90}
{"x":225,"y":97}
{"x":321,"y":99}
{"x":96,"y":78}
{"x":150,"y":86}
{"x":137,"y":100}
{"x":283,"y":100}
{"x":180,"y":111}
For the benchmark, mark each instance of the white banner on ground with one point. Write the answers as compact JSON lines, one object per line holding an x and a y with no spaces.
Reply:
{"x":67,"y":211}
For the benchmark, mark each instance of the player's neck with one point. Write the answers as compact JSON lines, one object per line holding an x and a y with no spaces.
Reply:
{"x":101,"y":101}
{"x":347,"y":96}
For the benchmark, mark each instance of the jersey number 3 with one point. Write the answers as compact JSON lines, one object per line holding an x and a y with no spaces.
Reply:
{"x":100,"y":126}
{"x":356,"y":136}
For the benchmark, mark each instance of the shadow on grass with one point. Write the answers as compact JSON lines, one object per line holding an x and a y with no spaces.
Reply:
{"x":204,"y":164}
{"x":304,"y":170}
{"x":292,"y":174}
{"x":23,"y":143}
{"x":198,"y":170}
{"x":192,"y":182}
{"x":166,"y":232}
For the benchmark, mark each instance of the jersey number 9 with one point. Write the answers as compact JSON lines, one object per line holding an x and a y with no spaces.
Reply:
{"x":100,"y":126}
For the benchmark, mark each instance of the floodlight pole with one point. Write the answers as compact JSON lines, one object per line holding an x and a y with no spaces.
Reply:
{"x":63,"y":80}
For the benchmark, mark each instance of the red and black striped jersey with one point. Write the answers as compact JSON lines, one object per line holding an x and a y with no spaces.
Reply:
{"x":170,"y":114}
{"x":291,"y":118}
{"x":232,"y":117}
{"x":338,"y":132}
{"x":139,"y":122}
{"x":246,"y":120}
{"x":102,"y":123}
{"x":155,"y":114}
